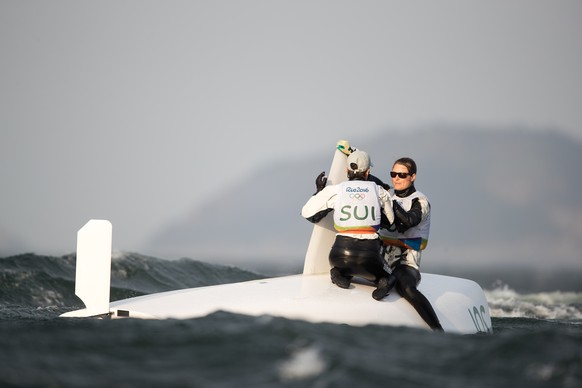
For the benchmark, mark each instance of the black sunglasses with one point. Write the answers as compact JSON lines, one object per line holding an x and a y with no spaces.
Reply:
{"x":401,"y":175}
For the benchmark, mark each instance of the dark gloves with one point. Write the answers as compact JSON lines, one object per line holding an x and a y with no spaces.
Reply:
{"x":405,"y":220}
{"x":319,"y":216}
{"x":320,"y":182}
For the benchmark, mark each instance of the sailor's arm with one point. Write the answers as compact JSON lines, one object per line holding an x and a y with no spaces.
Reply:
{"x":319,"y":205}
{"x":378,"y":181}
{"x":407,"y":219}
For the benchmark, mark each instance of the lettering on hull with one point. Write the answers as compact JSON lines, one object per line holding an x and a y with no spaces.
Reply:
{"x":480,"y":318}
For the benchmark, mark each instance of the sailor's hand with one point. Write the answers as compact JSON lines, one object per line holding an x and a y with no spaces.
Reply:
{"x":320,"y":182}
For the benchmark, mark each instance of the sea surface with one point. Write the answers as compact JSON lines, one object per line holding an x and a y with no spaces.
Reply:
{"x":536,"y":339}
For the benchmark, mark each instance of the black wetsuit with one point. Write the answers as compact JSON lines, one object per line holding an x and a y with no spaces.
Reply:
{"x":349,"y":255}
{"x":358,"y":257}
{"x":406,"y":277}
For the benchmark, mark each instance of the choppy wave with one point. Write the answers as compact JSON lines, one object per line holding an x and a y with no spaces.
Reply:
{"x":536,"y":340}
{"x":41,"y":283}
{"x":507,"y":303}
{"x":45,"y":281}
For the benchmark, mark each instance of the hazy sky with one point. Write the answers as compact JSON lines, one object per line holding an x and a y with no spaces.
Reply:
{"x":136,"y":111}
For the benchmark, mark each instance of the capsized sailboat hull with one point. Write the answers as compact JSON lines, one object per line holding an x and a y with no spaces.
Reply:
{"x":460,"y":304}
{"x":314,"y":298}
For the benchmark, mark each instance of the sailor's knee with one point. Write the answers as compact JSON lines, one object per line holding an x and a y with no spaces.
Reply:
{"x":409,"y":292}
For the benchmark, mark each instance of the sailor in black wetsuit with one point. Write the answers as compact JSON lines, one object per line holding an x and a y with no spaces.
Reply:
{"x":358,"y":206}
{"x":407,"y":236}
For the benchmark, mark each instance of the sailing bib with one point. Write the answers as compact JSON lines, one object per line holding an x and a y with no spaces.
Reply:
{"x":415,"y":238}
{"x":357,"y":209}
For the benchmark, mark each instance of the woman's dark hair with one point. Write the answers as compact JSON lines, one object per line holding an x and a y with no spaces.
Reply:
{"x":357,"y":176}
{"x":409,"y":163}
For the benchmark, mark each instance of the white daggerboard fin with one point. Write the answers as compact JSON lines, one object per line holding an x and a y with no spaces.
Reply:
{"x":323,"y":234}
{"x":93,"y":268}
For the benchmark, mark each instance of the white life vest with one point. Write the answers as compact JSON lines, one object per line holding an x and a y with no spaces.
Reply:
{"x":357,"y":209}
{"x":415,"y":238}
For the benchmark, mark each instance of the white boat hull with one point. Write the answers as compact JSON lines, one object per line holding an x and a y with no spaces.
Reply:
{"x":459,"y":303}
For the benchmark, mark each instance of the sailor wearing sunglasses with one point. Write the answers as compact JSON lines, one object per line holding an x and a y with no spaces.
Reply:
{"x":405,"y":239}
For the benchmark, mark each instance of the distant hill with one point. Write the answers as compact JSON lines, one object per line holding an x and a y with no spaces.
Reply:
{"x":505,"y":196}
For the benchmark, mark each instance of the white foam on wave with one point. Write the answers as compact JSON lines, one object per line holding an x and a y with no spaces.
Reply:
{"x":507,"y":303}
{"x":304,"y":363}
{"x":116,"y":254}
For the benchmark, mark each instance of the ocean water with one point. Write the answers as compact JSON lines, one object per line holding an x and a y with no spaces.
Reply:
{"x":537,"y":338}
